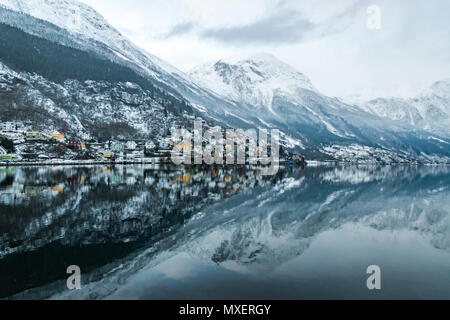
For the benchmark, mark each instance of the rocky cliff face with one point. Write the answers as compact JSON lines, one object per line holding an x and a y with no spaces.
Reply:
{"x":98,"y":109}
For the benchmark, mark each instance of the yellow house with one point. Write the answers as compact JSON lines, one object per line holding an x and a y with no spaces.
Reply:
{"x":57,"y":189}
{"x":58,"y":136}
{"x":185,"y":179}
{"x":184,"y":147}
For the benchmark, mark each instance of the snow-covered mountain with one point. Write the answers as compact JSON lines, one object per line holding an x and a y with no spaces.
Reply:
{"x":430,"y":110}
{"x":64,"y":41}
{"x":76,"y":25}
{"x":253,"y":80}
{"x":272,"y":93}
{"x":85,"y":27}
{"x":98,"y":109}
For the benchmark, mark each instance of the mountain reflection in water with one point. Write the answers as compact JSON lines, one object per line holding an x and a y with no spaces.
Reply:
{"x":166,"y":233}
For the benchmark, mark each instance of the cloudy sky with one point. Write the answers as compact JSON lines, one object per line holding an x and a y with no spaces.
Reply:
{"x":328,"y":40}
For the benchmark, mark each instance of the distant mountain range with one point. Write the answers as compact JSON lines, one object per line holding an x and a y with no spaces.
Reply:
{"x":429,"y":110}
{"x":64,"y":67}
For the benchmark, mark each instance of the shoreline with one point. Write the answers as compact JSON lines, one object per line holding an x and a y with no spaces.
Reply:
{"x":77,"y":163}
{"x":165,"y":161}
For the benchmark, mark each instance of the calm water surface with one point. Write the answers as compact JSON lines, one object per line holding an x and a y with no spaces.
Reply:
{"x":143,"y":232}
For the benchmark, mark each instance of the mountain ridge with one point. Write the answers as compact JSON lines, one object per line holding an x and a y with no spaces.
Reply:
{"x":428,"y":110}
{"x":250,"y":79}
{"x":262,"y":91}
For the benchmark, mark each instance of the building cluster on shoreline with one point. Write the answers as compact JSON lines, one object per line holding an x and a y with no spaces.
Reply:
{"x":20,"y":143}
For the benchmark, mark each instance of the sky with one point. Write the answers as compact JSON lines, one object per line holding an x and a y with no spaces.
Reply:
{"x":349,"y":48}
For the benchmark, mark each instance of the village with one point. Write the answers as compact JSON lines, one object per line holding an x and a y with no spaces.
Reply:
{"x":19,"y":143}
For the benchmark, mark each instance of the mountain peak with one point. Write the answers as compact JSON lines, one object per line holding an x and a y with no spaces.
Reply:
{"x":84,"y":22}
{"x":257,"y":57}
{"x":439,"y":88}
{"x":66,"y":14}
{"x":251,"y":79}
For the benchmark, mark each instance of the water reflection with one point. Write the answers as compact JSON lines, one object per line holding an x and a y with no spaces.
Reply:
{"x":134,"y":228}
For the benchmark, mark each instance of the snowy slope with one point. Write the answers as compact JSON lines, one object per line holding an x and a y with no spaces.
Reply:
{"x":89,"y":108}
{"x":83,"y":21}
{"x":274,"y":94}
{"x":85,"y":29}
{"x":279,"y":92}
{"x":252,"y":80}
{"x":430,"y":110}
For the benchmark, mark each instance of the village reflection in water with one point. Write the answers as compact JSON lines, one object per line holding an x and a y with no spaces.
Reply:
{"x":90,"y":208}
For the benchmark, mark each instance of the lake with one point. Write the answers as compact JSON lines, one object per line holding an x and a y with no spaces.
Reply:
{"x":164,"y":232}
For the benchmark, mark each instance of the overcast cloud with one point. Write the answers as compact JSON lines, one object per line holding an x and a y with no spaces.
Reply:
{"x":179,"y":30}
{"x":280,"y":27}
{"x":328,"y":40}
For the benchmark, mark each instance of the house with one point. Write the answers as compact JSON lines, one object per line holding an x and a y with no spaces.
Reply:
{"x":117,"y":147}
{"x":3,"y":151}
{"x":11,"y":125}
{"x":7,"y":126}
{"x":149,"y":148}
{"x":164,"y":145}
{"x":74,"y":144}
{"x":137,"y":154}
{"x":35,"y":136}
{"x":184,"y":147}
{"x":131,"y":145}
{"x":149,"y":145}
{"x":85,"y":137}
{"x":58,"y":136}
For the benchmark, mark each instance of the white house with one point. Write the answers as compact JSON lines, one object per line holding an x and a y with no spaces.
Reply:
{"x":137,"y":154}
{"x":150,"y":145}
{"x":131,"y":145}
{"x":8,"y":126}
{"x":11,"y":125}
{"x":117,"y":147}
{"x":164,"y":145}
{"x":3,"y":151}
